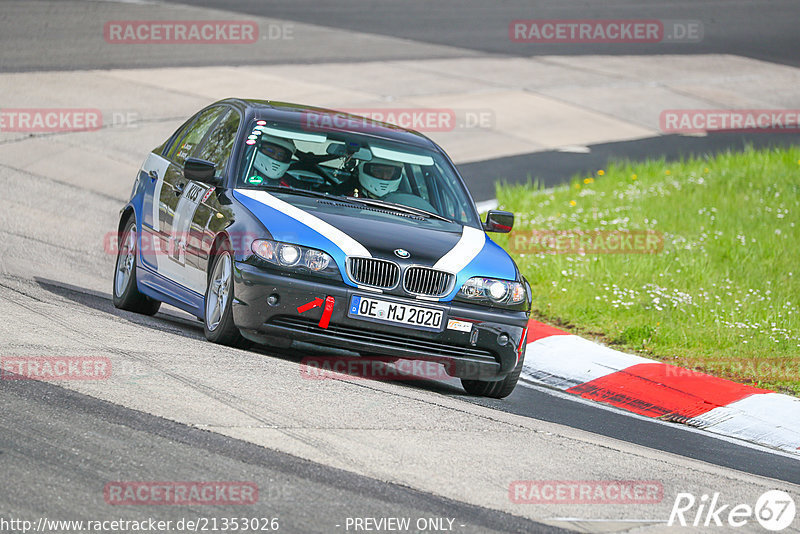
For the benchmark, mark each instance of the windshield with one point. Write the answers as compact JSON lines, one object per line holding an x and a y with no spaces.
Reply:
{"x":353,"y":166}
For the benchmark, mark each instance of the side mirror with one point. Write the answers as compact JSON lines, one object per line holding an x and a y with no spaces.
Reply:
{"x":499,"y":221}
{"x":200,"y":170}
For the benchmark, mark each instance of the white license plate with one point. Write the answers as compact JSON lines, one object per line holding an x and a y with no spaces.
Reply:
{"x":394,"y":312}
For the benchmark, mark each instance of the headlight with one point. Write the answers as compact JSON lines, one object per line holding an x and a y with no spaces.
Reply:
{"x":294,"y":256}
{"x":316,"y":260}
{"x":492,"y":291}
{"x":289,"y":255}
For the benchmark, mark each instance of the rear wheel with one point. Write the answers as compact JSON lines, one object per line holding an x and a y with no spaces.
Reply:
{"x":496,"y":390}
{"x":126,"y":295}
{"x":218,"y":324}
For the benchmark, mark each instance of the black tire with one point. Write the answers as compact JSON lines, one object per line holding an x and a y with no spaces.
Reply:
{"x":496,"y":390}
{"x":125,"y":293}
{"x":222,"y":329}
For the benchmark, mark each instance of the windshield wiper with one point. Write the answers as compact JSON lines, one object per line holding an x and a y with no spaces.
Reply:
{"x":307,"y":193}
{"x":391,"y":206}
{"x":402,"y":208}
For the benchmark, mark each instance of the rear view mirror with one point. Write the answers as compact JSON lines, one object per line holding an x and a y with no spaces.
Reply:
{"x":499,"y":221}
{"x":200,"y":170}
{"x":336,"y":149}
{"x":340,"y":149}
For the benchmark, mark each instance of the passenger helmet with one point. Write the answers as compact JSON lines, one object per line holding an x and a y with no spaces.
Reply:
{"x":379,"y":176}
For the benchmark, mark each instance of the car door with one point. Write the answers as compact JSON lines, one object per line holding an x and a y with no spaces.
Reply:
{"x":217,"y":149}
{"x":178,"y":200}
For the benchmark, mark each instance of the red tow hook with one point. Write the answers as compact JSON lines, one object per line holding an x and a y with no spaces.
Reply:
{"x":327,"y":312}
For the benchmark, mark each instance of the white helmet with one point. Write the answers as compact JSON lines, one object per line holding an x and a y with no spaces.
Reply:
{"x":274,"y":156}
{"x":380,"y":176}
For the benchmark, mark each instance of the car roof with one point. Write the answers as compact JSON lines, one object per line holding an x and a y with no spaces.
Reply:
{"x":297,"y":114}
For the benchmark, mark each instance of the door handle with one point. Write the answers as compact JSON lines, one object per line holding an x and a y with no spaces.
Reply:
{"x":179,"y":189}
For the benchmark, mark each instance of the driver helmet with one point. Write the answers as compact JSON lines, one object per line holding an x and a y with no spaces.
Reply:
{"x":274,"y":156}
{"x":379,"y":177}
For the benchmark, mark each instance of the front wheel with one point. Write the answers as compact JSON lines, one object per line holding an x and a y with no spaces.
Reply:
{"x":126,"y":295}
{"x":496,"y":390}
{"x":218,"y":323}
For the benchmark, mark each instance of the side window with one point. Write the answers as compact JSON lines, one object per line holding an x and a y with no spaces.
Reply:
{"x":170,"y":143}
{"x":194,"y":135}
{"x":217,"y":148}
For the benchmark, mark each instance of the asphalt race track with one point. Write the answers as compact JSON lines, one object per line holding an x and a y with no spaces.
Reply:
{"x":70,"y":440}
{"x":322,"y":452}
{"x":743,"y":28}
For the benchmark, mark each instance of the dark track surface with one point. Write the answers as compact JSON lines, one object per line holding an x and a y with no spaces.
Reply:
{"x":552,"y":167}
{"x":60,"y":448}
{"x":669,"y":438}
{"x":749,"y":28}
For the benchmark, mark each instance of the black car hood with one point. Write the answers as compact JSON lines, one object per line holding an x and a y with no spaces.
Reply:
{"x":383,"y":234}
{"x":342,"y":231}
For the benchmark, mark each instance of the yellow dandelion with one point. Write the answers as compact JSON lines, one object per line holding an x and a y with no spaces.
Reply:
{"x":706,"y":169}
{"x":601,"y":172}
{"x":667,"y":172}
{"x":577,"y":186}
{"x":633,"y":177}
{"x":572,"y":202}
{"x":588,"y":180}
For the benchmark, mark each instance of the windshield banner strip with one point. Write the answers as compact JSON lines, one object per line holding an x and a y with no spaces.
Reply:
{"x":349,"y":246}
{"x":469,"y":246}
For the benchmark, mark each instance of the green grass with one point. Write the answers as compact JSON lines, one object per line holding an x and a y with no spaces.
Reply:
{"x":721,"y":296}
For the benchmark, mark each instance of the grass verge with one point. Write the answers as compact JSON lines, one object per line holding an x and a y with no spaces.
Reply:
{"x":722,"y":294}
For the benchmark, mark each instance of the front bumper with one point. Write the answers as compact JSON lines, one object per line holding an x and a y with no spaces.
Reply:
{"x":488,"y":352}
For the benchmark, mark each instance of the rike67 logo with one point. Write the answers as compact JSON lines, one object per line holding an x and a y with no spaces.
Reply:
{"x":775,"y":510}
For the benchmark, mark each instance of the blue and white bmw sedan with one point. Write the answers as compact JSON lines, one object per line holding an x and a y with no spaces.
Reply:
{"x":275,"y":223}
